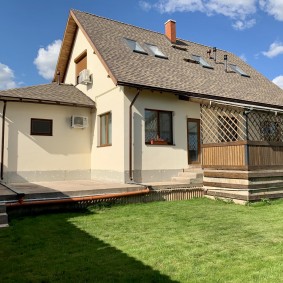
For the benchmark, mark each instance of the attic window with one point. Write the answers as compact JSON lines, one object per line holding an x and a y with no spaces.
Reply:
{"x":238,"y":70}
{"x":135,"y":46}
{"x":156,"y":51}
{"x":179,"y":47}
{"x":201,"y":61}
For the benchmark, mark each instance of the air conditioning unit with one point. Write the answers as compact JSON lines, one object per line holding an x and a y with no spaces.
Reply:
{"x":79,"y":122}
{"x":84,"y":77}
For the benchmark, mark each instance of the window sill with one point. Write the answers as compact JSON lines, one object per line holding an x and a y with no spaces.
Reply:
{"x":158,"y":143}
{"x":104,"y":145}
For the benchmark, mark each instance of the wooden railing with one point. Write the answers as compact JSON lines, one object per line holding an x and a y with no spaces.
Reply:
{"x":243,"y":155}
{"x":230,"y":155}
{"x":265,"y":154}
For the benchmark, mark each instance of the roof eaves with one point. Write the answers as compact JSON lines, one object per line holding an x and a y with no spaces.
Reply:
{"x":200,"y":95}
{"x":66,"y":49}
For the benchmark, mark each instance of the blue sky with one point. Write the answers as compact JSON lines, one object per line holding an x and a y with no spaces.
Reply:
{"x":31,"y":31}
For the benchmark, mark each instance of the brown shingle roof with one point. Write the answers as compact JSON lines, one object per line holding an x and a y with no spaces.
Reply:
{"x":175,"y":74}
{"x":49,"y":93}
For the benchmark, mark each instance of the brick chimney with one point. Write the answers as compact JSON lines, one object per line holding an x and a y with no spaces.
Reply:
{"x":170,"y":30}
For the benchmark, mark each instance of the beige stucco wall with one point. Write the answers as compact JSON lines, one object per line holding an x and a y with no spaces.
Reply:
{"x":158,"y":162}
{"x":106,"y":162}
{"x":65,"y":155}
{"x":150,"y":163}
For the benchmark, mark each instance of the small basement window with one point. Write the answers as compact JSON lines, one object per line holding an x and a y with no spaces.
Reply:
{"x":201,"y":61}
{"x":156,"y":51}
{"x":41,"y":127}
{"x":238,"y":70}
{"x":135,"y":46}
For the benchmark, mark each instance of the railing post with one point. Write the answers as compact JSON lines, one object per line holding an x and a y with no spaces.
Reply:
{"x":247,"y":153}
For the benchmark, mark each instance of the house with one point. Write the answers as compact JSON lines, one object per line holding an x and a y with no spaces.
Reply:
{"x":129,"y":104}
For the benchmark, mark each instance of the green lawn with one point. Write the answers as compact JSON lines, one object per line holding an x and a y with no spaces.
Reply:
{"x":186,"y":241}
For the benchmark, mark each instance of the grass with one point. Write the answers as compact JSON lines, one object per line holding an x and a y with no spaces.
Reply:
{"x":186,"y":241}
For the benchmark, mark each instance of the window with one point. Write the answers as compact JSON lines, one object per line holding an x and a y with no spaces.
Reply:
{"x":270,"y":131}
{"x":227,"y":129}
{"x":81,"y":64}
{"x":238,"y":70}
{"x":135,"y":46}
{"x":41,"y":127}
{"x":201,"y":61}
{"x":106,"y":129}
{"x":158,"y":127}
{"x":156,"y":51}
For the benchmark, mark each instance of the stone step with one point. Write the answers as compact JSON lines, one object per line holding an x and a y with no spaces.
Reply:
{"x":2,"y":209}
{"x":191,"y":174}
{"x":183,"y":180}
{"x":187,"y":174}
{"x":4,"y":219}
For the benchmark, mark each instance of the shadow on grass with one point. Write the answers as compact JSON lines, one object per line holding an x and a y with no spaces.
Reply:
{"x":49,"y":248}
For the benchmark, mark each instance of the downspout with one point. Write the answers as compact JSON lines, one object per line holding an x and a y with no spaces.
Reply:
{"x":3,"y":138}
{"x":131,"y":136}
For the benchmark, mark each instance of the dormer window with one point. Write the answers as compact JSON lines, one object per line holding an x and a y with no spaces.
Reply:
{"x":135,"y":46}
{"x":156,"y":51}
{"x":201,"y":61}
{"x":238,"y":70}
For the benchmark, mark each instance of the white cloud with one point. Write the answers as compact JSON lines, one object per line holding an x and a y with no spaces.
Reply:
{"x":145,"y":5}
{"x":241,"y":25}
{"x":278,"y":81}
{"x":275,"y":49}
{"x":47,"y":58}
{"x":243,"y":57}
{"x":273,"y":8}
{"x":240,"y":11}
{"x":7,"y":78}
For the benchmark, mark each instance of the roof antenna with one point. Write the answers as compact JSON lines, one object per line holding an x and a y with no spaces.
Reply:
{"x":226,"y":65}
{"x":58,"y":79}
{"x":209,"y":53}
{"x":214,"y":52}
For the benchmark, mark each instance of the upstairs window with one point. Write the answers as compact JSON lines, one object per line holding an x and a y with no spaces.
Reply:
{"x":238,"y":70}
{"x":201,"y":61}
{"x":156,"y":51}
{"x":135,"y":46}
{"x":81,"y":64}
{"x":158,"y":127}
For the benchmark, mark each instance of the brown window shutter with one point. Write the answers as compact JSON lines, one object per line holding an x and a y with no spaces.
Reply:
{"x":81,"y":63}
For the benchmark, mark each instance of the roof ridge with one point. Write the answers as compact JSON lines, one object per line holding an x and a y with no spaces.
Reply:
{"x":131,"y":25}
{"x":116,"y":21}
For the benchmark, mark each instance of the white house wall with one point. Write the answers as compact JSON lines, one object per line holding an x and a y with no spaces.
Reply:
{"x":159,"y":162}
{"x":106,"y":162}
{"x":64,"y":155}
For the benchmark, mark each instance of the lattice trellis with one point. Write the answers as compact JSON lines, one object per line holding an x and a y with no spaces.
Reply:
{"x":265,"y":126}
{"x":223,"y":124}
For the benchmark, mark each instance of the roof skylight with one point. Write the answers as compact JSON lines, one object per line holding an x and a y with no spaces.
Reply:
{"x":135,"y":46}
{"x":201,"y":61}
{"x":156,"y":51}
{"x":238,"y":70}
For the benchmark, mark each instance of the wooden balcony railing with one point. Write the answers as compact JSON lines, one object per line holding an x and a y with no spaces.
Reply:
{"x":243,"y":155}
